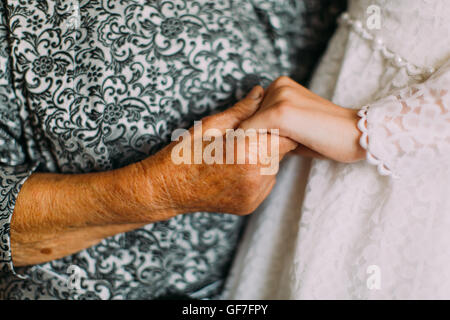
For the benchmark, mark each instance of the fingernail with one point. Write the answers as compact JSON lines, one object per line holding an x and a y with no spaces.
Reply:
{"x":255,"y":94}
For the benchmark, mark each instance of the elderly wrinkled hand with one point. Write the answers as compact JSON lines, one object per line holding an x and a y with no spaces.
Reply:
{"x":237,"y":188}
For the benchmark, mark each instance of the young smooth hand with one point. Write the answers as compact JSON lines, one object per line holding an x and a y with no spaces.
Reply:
{"x":323,"y":129}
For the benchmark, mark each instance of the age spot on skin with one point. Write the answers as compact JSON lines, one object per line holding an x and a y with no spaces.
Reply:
{"x":46,"y":251}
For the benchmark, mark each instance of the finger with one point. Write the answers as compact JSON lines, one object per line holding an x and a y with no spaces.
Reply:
{"x":266,"y":119}
{"x":285,"y":89}
{"x":283,"y":146}
{"x":282,"y":81}
{"x":278,"y":89}
{"x":286,"y":145}
{"x":247,"y":106}
{"x":231,"y":118}
{"x":277,"y":147}
{"x":294,"y":123}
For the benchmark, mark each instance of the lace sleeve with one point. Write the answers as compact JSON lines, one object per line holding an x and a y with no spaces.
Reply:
{"x":14,"y":166}
{"x":408,"y":132}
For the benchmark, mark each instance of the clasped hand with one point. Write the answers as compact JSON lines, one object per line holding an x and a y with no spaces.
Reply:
{"x":321,"y":128}
{"x":307,"y":124}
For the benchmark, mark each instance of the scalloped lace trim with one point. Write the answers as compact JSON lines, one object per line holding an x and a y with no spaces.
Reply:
{"x":383,"y":169}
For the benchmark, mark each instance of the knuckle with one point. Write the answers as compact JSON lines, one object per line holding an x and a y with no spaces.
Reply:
{"x":247,"y":206}
{"x":241,"y":212}
{"x":282,"y":81}
{"x":284,"y":92}
{"x":246,"y":211}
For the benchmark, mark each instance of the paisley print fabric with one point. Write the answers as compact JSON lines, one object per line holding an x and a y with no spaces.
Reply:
{"x":94,"y":85}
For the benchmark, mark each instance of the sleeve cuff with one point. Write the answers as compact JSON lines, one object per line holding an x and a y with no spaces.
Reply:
{"x":11,"y":181}
{"x":382,"y":167}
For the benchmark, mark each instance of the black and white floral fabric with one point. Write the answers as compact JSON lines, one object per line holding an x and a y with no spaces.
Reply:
{"x":93,"y":85}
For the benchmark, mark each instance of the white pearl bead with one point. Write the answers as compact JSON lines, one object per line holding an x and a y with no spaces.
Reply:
{"x":345,"y":17}
{"x":378,"y":42}
{"x":358,"y":25}
{"x":398,"y":61}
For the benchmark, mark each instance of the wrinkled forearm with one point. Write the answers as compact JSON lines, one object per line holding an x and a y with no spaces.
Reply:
{"x":59,"y":214}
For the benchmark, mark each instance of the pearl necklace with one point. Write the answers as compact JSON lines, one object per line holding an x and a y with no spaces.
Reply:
{"x":378,"y":44}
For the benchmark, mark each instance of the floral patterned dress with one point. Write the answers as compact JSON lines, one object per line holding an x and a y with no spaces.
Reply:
{"x":94,"y":85}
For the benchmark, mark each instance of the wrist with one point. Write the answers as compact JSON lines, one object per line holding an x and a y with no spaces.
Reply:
{"x":139,"y":193}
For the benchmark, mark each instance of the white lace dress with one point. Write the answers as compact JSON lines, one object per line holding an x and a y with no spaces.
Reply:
{"x":377,"y":229}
